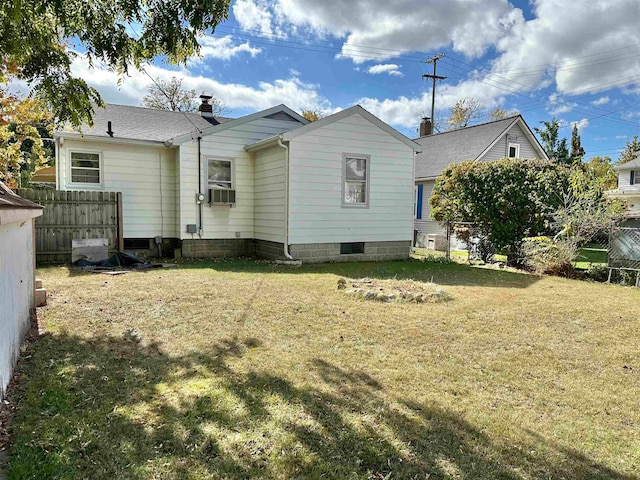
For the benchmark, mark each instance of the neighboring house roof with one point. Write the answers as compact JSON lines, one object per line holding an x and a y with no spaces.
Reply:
{"x":471,"y":143}
{"x":9,"y":200}
{"x":139,"y":123}
{"x":44,"y":175}
{"x":356,"y":109}
{"x":629,"y":165}
{"x":273,"y":112}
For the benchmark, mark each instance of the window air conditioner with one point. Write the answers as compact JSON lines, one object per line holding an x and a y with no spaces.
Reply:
{"x":219,"y":196}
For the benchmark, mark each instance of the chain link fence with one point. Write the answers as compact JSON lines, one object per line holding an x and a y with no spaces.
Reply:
{"x":612,"y":256}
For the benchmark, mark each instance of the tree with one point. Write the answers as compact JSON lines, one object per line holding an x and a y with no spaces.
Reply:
{"x":507,"y":200}
{"x":631,"y":150}
{"x":312,"y":114}
{"x":554,"y":148}
{"x":463,"y":113}
{"x":500,"y":114}
{"x":169,"y":95}
{"x":35,"y":36}
{"x":22,"y":121}
{"x":602,"y":168}
{"x":577,"y":152}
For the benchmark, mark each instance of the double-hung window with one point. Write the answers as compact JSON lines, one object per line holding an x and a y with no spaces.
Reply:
{"x":220,"y":174}
{"x":634,"y":178}
{"x":355,"y":173}
{"x":85,"y":168}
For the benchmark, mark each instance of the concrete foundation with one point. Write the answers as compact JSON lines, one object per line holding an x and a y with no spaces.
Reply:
{"x":330,"y":252}
{"x":221,"y":248}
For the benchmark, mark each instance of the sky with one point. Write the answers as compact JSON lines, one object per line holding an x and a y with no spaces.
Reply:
{"x":575,"y":60}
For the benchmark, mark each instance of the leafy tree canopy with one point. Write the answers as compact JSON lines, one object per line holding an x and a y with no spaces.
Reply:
{"x":35,"y":39}
{"x":631,"y":150}
{"x":312,"y":114}
{"x":463,"y":113}
{"x":170,"y":95}
{"x":507,"y":200}
{"x":602,"y":169}
{"x":554,"y":147}
{"x":577,"y":152}
{"x":22,"y":151}
{"x":500,"y":114}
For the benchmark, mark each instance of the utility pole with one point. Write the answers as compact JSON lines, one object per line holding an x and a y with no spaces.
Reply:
{"x":434,"y":77}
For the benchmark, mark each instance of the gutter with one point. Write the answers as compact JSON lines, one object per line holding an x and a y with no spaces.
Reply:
{"x":286,"y":199}
{"x":99,"y":138}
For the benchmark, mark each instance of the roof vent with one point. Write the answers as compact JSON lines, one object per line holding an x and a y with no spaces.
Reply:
{"x":206,"y":109}
{"x":109,"y":130}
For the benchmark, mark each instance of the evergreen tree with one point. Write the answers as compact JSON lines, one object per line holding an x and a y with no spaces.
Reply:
{"x":631,"y":150}
{"x":554,"y":148}
{"x":577,"y":152}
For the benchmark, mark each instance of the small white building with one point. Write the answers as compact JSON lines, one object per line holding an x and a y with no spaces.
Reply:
{"x":17,"y":277}
{"x":269,"y":183}
{"x":629,"y":187}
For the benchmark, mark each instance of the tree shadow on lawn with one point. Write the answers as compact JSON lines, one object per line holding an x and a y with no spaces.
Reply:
{"x":106,"y":408}
{"x":453,"y":274}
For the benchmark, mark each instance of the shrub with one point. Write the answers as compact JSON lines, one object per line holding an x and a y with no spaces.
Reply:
{"x":548,"y":256}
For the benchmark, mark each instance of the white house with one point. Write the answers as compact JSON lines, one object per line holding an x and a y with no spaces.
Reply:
{"x":629,"y":188}
{"x":268,"y":183}
{"x":17,"y":277}
{"x":507,"y":138}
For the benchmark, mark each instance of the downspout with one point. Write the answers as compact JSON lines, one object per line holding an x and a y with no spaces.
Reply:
{"x":286,"y":199}
{"x":200,"y":228}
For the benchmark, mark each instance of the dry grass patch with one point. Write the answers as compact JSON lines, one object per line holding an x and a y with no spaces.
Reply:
{"x":394,"y":290}
{"x":247,"y":370}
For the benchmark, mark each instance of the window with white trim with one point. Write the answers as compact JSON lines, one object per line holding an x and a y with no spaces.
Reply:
{"x":634,"y":178}
{"x":355,"y":173}
{"x":513,"y":150}
{"x":220,"y":173}
{"x":85,"y":168}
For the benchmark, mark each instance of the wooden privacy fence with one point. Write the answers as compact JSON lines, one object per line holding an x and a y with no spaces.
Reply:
{"x":74,"y":215}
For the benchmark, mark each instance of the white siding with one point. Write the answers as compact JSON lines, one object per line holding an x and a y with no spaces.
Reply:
{"x":223,"y":221}
{"x":269,"y":188}
{"x":316,"y":214}
{"x":146,"y":176}
{"x":16,"y":292}
{"x":499,"y":150}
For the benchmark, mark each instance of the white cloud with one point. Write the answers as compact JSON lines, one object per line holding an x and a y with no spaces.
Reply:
{"x":582,"y":124}
{"x":222,"y":48}
{"x":292,"y":91}
{"x":600,"y":101}
{"x":253,"y":15}
{"x":392,"y":26}
{"x":389,"y":68}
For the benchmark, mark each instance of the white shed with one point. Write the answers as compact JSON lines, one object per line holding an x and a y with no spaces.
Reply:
{"x":17,"y":276}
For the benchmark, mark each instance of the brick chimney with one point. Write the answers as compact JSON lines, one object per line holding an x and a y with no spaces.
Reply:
{"x":426,"y":127}
{"x":206,"y":109}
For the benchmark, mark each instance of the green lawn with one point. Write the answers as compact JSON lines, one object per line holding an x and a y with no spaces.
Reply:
{"x":240,"y":369}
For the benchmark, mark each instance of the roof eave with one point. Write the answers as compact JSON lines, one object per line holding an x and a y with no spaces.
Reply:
{"x":266,"y":143}
{"x":99,"y":138}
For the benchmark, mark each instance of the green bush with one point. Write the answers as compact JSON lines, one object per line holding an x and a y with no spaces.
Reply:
{"x":548,"y":256}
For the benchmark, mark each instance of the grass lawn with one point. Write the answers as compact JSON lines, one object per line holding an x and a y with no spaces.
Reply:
{"x":238,"y":369}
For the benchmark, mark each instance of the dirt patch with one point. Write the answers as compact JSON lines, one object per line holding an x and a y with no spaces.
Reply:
{"x":394,"y":290}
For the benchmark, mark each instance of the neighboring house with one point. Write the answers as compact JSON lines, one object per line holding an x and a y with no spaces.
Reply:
{"x":507,"y":138}
{"x":44,"y":178}
{"x":17,"y":277}
{"x":268,"y":183}
{"x":629,"y":189}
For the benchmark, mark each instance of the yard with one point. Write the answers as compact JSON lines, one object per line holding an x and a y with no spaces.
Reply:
{"x":240,"y":369}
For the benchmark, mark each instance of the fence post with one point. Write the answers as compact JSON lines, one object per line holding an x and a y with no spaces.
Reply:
{"x":120,"y":223}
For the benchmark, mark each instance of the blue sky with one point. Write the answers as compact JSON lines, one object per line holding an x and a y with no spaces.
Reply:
{"x":576,"y":60}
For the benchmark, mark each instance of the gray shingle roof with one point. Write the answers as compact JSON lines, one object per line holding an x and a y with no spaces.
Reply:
{"x":443,"y":149}
{"x":139,"y":123}
{"x":629,"y":165}
{"x":8,"y":199}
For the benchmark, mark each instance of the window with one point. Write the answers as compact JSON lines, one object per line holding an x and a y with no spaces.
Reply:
{"x":351,"y":248}
{"x":633,"y":179}
{"x":85,"y":168}
{"x":418,"y":202}
{"x":219,"y":173}
{"x":355,"y":174}
{"x":514,"y":150}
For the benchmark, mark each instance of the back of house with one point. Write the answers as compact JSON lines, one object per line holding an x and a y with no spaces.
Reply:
{"x":268,"y":183}
{"x":507,"y":138}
